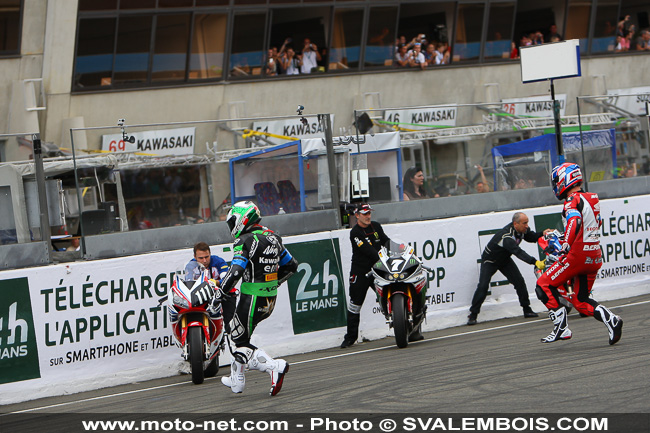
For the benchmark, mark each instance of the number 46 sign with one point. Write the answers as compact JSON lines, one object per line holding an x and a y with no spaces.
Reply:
{"x":316,"y":291}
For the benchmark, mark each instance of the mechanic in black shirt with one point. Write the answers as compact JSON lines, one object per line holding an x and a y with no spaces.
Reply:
{"x":367,"y":238}
{"x":497,"y":257}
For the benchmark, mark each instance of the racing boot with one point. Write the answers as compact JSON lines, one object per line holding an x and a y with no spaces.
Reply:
{"x":561,"y":329}
{"x":276,"y":368}
{"x":416,"y":335}
{"x":237,"y":381}
{"x":613,"y":323}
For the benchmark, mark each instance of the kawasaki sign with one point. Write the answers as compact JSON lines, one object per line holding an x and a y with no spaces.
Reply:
{"x":18,"y":351}
{"x":316,"y":291}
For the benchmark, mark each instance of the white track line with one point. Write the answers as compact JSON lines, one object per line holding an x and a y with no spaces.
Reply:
{"x":444,"y":337}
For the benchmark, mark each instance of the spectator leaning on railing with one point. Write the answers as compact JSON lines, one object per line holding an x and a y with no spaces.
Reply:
{"x":643,"y":41}
{"x":416,"y":58}
{"x":401,"y":57}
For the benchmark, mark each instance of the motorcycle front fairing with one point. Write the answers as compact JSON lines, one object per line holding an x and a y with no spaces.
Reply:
{"x":399,"y":271}
{"x":187,"y":305}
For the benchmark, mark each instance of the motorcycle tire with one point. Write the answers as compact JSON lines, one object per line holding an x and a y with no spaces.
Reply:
{"x":212,"y":368}
{"x":400,"y":321}
{"x":195,"y":341}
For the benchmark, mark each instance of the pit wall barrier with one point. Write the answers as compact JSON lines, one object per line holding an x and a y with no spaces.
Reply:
{"x":85,"y":325}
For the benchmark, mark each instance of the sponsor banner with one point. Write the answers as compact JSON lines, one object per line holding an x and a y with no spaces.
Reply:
{"x":18,"y":348}
{"x":317,"y":290}
{"x":288,"y":128}
{"x":634,"y":104}
{"x":534,"y":106}
{"x":164,"y":142}
{"x":98,"y":323}
{"x":423,"y":118}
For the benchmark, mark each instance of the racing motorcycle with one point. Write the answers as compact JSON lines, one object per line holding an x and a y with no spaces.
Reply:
{"x":401,"y":285}
{"x":198,"y":331}
{"x":551,"y":245}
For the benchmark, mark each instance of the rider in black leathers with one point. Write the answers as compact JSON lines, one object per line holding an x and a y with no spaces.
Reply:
{"x":262,"y":261}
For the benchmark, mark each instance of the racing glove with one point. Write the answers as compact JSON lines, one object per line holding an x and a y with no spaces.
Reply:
{"x":540,"y":264}
{"x":565,"y":248}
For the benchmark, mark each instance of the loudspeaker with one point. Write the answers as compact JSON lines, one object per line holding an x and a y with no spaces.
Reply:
{"x":380,"y":189}
{"x":363,"y":123}
{"x":92,"y":221}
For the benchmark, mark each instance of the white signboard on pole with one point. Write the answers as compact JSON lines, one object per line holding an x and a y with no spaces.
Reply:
{"x":165,"y":142}
{"x":550,"y":61}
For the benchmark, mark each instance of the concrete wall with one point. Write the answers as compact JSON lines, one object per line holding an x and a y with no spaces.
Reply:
{"x":48,"y":43}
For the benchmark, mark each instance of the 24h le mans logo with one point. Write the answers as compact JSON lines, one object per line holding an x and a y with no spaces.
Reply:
{"x":18,"y":349}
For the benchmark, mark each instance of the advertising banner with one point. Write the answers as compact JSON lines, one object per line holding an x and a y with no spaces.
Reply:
{"x":634,"y":104}
{"x":164,"y":142}
{"x":534,"y":106}
{"x":18,"y":348}
{"x":294,"y":128}
{"x":77,"y":326}
{"x":423,"y":118}
{"x":317,"y":291}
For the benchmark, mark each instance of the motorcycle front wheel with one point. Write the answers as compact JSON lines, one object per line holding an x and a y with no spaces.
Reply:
{"x":195,"y":341}
{"x":400,"y":321}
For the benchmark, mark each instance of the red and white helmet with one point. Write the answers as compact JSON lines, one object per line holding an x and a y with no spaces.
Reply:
{"x":564,"y":177}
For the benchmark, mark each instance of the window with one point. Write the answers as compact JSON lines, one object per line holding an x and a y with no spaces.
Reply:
{"x":247,"y":44}
{"x":604,"y":36}
{"x":433,"y":20}
{"x":170,"y":49}
{"x":208,"y":46}
{"x":380,"y":41}
{"x":534,"y":21}
{"x":175,"y":3}
{"x":639,"y":13}
{"x":469,"y":26}
{"x":133,"y":50}
{"x":345,"y":51}
{"x":499,"y":32}
{"x":138,"y":4}
{"x":10,"y":19}
{"x":97,"y":5}
{"x":300,"y":25}
{"x":579,"y":14}
{"x":94,"y":60}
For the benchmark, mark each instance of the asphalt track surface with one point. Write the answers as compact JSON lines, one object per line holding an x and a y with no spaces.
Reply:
{"x":493,"y":367}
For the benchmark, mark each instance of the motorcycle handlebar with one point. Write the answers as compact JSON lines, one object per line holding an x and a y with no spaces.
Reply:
{"x":163,"y":299}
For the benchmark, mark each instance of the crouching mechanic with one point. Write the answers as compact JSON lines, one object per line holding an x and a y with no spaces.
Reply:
{"x":264,"y":263}
{"x":581,"y":259}
{"x":218,"y":269}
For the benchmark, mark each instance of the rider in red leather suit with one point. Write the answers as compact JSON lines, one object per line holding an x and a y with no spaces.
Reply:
{"x":581,"y":260}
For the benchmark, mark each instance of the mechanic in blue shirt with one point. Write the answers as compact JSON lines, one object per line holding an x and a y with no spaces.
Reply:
{"x":202,"y":260}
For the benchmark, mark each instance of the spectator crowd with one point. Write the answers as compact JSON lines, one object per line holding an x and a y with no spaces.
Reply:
{"x":286,"y":61}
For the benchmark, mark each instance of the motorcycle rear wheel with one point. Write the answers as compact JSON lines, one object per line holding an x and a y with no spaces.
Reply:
{"x":213,"y":367}
{"x":195,"y":341}
{"x":400,"y":321}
